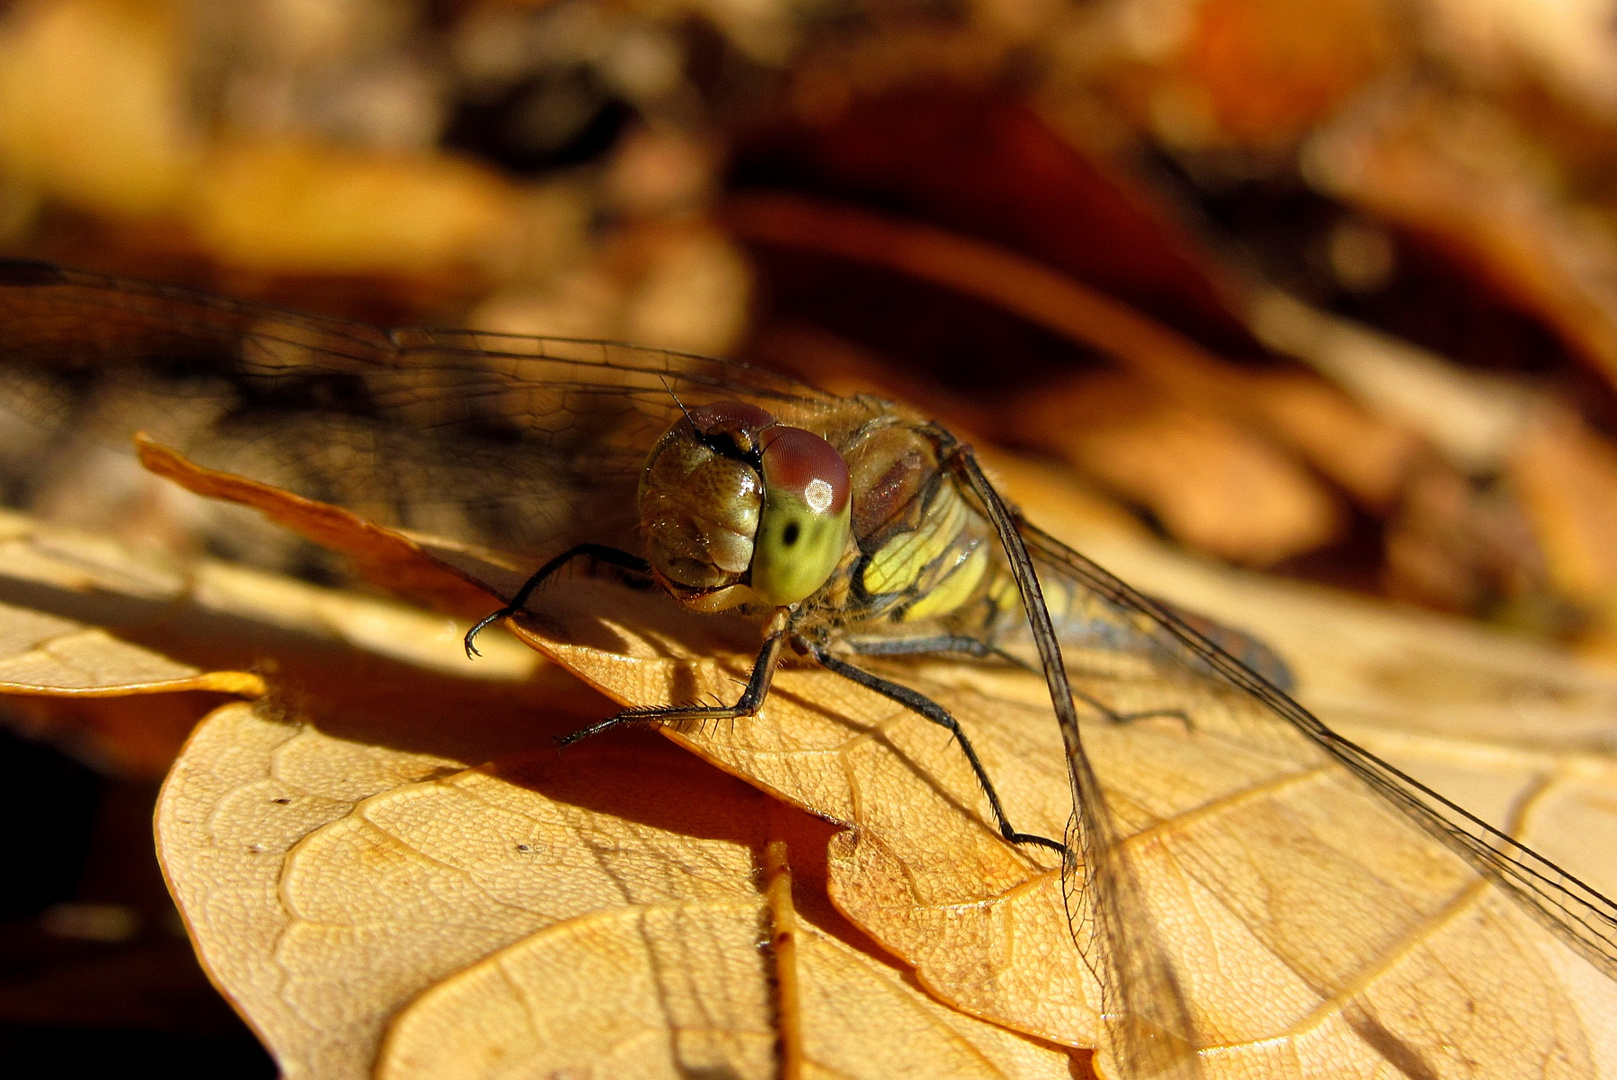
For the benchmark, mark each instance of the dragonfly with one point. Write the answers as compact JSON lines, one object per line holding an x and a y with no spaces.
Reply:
{"x":849,"y":528}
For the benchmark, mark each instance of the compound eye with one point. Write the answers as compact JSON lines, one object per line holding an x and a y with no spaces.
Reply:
{"x":803,"y":527}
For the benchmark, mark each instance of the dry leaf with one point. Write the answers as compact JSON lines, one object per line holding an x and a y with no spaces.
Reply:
{"x":73,"y":683}
{"x":853,"y":757}
{"x":1460,"y":171}
{"x":1360,"y":662}
{"x":116,"y":580}
{"x":1334,"y":941}
{"x":1367,"y":455}
{"x":925,"y":873}
{"x":169,"y":621}
{"x":1212,"y":484}
{"x":300,"y":206}
{"x":381,"y":554}
{"x":60,"y":66}
{"x":80,"y":562}
{"x":374,"y":908}
{"x":1472,"y":419}
{"x":1567,"y":476}
{"x":1357,"y":661}
{"x":51,"y":656}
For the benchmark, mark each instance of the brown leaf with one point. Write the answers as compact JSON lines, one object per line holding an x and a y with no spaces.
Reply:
{"x":73,"y":683}
{"x":634,"y":978}
{"x":981,"y":164}
{"x":849,"y":755}
{"x":1456,"y":169}
{"x":46,"y":655}
{"x":1367,"y":455}
{"x":1267,"y":71}
{"x":1360,"y":662}
{"x":382,"y":554}
{"x":1212,"y":484}
{"x":1362,"y":913}
{"x":1010,"y":281}
{"x":925,"y":874}
{"x":303,"y":206}
{"x":1567,"y":476}
{"x":368,"y":907}
{"x":156,"y":639}
{"x":80,"y":562}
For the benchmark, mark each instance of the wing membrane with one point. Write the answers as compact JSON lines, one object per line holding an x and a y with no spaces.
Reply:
{"x":522,"y":443}
{"x":1310,"y":884}
{"x":1586,"y":919}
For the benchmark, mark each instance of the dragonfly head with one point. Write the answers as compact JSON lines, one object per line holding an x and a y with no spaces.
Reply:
{"x":738,"y":508}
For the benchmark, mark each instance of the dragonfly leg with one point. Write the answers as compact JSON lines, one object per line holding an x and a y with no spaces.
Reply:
{"x":970,"y":646}
{"x":751,"y":700}
{"x":599,"y":552}
{"x":931,"y":710}
{"x":1143,"y":714}
{"x":935,"y":643}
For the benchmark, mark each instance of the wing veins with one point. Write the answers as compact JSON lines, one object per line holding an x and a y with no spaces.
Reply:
{"x":1589,"y":919}
{"x":1147,"y":1019}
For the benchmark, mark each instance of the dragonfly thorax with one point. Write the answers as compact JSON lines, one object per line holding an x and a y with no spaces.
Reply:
{"x":740,"y":509}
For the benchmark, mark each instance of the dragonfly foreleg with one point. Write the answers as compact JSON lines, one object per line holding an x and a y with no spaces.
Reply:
{"x":931,"y":710}
{"x":600,"y":552}
{"x":751,"y":700}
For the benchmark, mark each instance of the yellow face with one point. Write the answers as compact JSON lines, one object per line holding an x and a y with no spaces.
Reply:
{"x":799,"y":542}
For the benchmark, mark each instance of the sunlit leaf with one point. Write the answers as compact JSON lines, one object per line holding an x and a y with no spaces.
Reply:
{"x":1315,"y":876}
{"x":125,"y":706}
{"x":128,"y":587}
{"x":382,"y":554}
{"x":115,"y":651}
{"x":1307,"y":914}
{"x":600,"y":911}
{"x":1361,"y":662}
{"x":47,"y":655}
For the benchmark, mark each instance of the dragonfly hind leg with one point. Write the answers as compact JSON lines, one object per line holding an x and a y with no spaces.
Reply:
{"x":931,"y":710}
{"x":970,"y":646}
{"x":599,"y":552}
{"x":933,"y":643}
{"x":751,"y":700}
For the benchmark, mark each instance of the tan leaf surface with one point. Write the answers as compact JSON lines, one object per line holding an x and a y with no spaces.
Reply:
{"x":1361,"y":662}
{"x":51,"y":567}
{"x":137,"y":622}
{"x":47,"y":655}
{"x":78,"y":561}
{"x":982,"y":922}
{"x":1318,"y":932}
{"x":1358,"y":661}
{"x":368,"y":906}
{"x":1300,"y":904}
{"x":381,"y":554}
{"x":75,"y":683}
{"x":599,"y":993}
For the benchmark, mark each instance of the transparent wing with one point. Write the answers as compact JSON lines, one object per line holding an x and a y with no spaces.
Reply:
{"x":1335,"y":887}
{"x":520,"y":443}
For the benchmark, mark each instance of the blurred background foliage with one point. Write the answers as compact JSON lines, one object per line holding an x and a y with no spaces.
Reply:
{"x":1328,"y":289}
